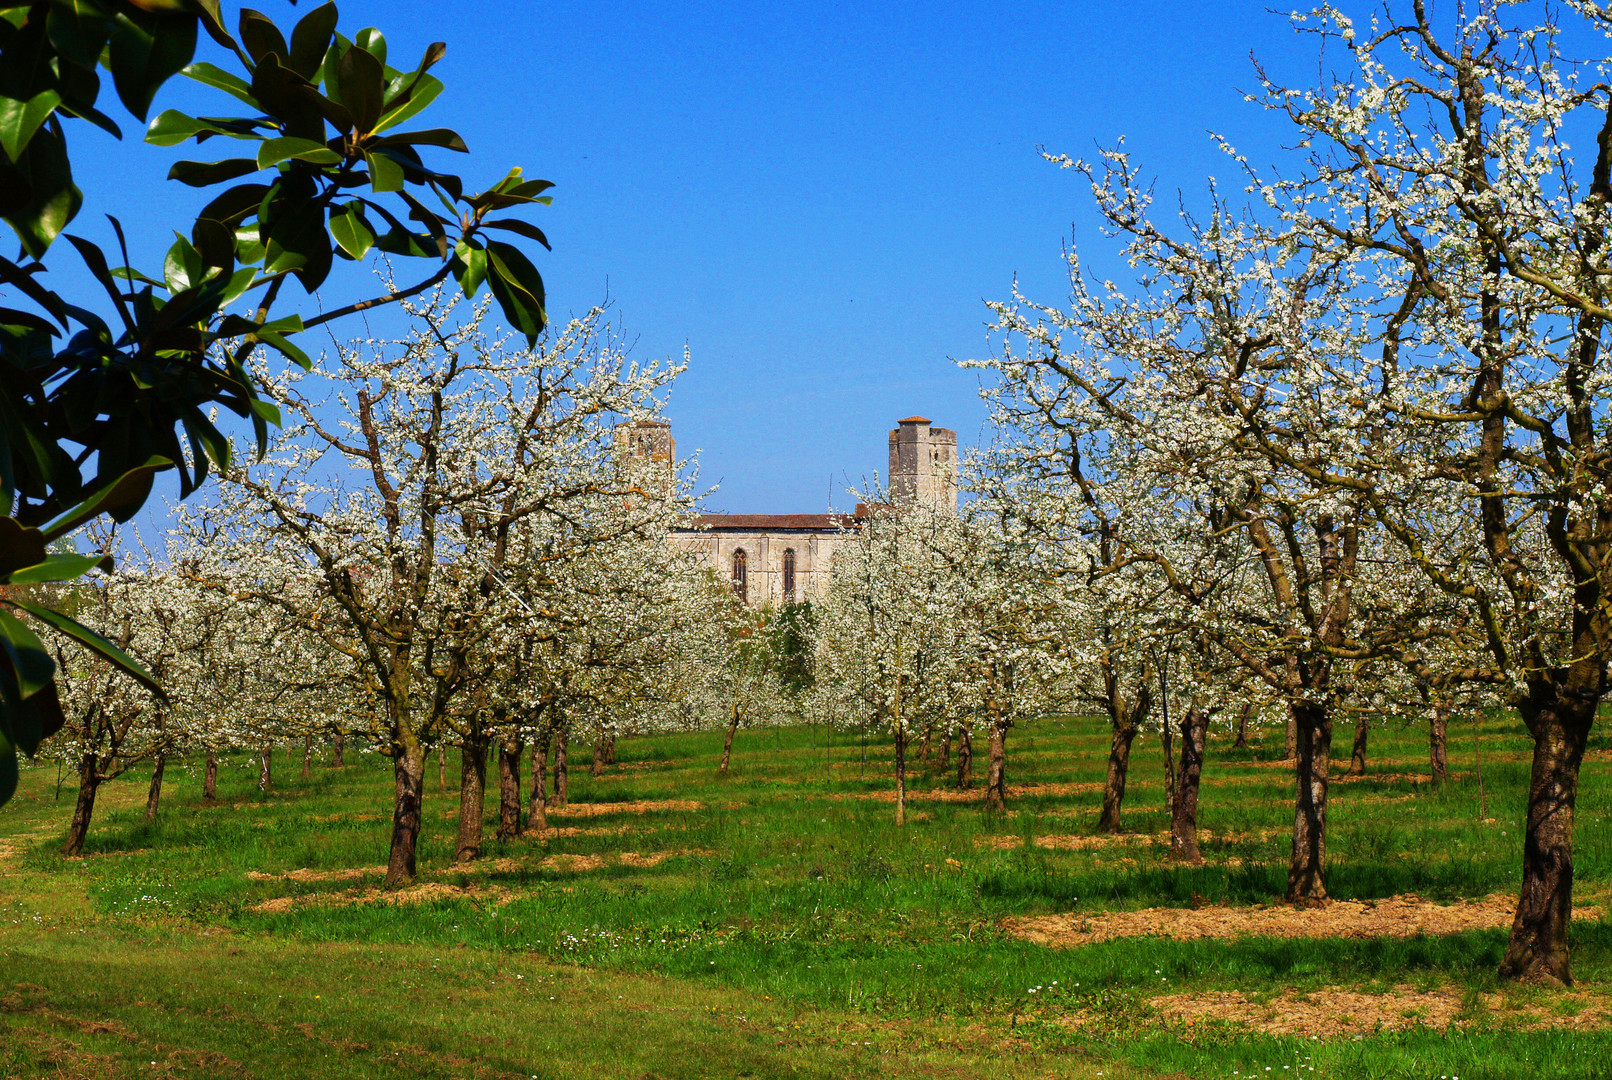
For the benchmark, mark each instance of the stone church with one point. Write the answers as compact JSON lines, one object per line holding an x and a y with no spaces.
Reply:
{"x":777,"y":559}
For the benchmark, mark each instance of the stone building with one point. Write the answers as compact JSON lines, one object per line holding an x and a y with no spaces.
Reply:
{"x":777,"y":559}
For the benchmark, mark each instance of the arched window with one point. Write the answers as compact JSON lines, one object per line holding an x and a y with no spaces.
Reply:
{"x":789,"y":575}
{"x":741,"y":576}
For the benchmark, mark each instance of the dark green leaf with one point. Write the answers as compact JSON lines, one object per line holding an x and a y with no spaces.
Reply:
{"x":79,"y":32}
{"x":425,"y":91}
{"x":428,"y":137}
{"x":204,"y":173}
{"x":120,"y":499}
{"x":469,"y":267}
{"x":215,"y":242}
{"x":92,"y":641}
{"x":30,"y":661}
{"x":518,"y":288}
{"x":58,"y":568}
{"x":147,"y":50}
{"x":294,"y":354}
{"x":219,"y":79}
{"x":20,"y":546}
{"x":362,"y":81}
{"x":20,"y":119}
{"x":311,"y":38}
{"x":8,"y":762}
{"x":274,"y":151}
{"x":531,"y":232}
{"x":53,"y":200}
{"x":260,"y":36}
{"x":184,"y":267}
{"x":373,"y":42}
{"x":385,"y":173}
{"x":351,"y":231}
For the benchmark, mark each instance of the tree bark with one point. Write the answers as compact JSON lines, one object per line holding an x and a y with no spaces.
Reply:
{"x":562,"y":770}
{"x":472,"y":796}
{"x":610,"y":749}
{"x":1184,"y":813}
{"x":1306,"y":884}
{"x":1165,"y":740}
{"x":408,"y":766}
{"x":509,"y":788}
{"x":965,"y":759}
{"x":923,"y":743}
{"x":442,"y":768}
{"x":307,"y":757}
{"x":1357,"y":756}
{"x":210,"y":778}
{"x":1242,"y":727}
{"x":265,"y":768}
{"x":996,"y":770}
{"x":340,"y":758}
{"x":1291,"y":747}
{"x":727,"y":742}
{"x":943,"y":760}
{"x":154,"y":793}
{"x":901,"y":779}
{"x":537,"y":811}
{"x":1537,"y":950}
{"x":596,"y":766}
{"x":1119,"y":763}
{"x":89,"y":782}
{"x":1438,"y":727}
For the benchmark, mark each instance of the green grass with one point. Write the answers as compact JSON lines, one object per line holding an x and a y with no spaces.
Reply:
{"x":786,"y":894}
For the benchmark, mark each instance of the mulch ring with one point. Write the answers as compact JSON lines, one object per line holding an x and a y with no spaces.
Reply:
{"x":1339,"y":1011}
{"x":1394,"y":916}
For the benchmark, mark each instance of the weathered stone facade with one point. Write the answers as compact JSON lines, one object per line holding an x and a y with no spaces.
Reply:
{"x":777,"y":559}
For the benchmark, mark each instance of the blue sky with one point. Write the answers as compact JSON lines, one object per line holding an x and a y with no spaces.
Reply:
{"x":815,"y":199}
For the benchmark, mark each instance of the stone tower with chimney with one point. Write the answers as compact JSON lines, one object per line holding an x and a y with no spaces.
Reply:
{"x":923,"y":464}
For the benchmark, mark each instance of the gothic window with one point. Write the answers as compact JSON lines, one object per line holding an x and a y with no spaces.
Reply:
{"x":789,"y":575}
{"x":741,"y":576}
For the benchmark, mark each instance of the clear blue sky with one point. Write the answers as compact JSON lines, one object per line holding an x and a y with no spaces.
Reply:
{"x":815,"y":198}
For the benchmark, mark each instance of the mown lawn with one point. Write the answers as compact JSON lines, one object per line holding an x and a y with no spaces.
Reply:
{"x":774,"y":922}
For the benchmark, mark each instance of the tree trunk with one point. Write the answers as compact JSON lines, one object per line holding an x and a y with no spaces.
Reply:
{"x":562,"y":771}
{"x":1242,"y":727}
{"x":472,"y":795}
{"x":965,"y":759}
{"x":596,"y":767}
{"x":340,"y":758}
{"x":727,"y":742}
{"x":901,"y":779}
{"x":1119,"y":763}
{"x":996,"y":770}
{"x":1184,"y":814}
{"x":1291,"y":746}
{"x":408,"y":765}
{"x":442,"y":769}
{"x":1438,"y":727}
{"x":610,"y":749}
{"x":923,"y":744}
{"x":509,"y":788}
{"x":265,"y":768}
{"x":1537,"y":951}
{"x":1357,"y":757}
{"x":154,"y":793}
{"x":537,"y":818}
{"x":89,"y":782}
{"x":210,"y":778}
{"x":943,"y":760}
{"x":307,"y":757}
{"x":1306,"y":885}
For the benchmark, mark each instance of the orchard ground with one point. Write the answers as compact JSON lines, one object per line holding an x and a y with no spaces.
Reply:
{"x":775,"y":922}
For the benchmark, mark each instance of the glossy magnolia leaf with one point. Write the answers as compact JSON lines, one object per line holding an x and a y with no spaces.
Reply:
{"x":172,"y":127}
{"x":184,"y":267}
{"x":274,"y":151}
{"x":385,"y":174}
{"x":219,"y":79}
{"x":531,"y":232}
{"x":92,"y":641}
{"x":52,"y":198}
{"x":361,"y":78}
{"x":310,"y":39}
{"x":205,"y":173}
{"x":27,"y":656}
{"x":20,"y":119}
{"x":260,"y":36}
{"x":120,"y":499}
{"x":469,"y":267}
{"x":372,"y":41}
{"x":79,"y":32}
{"x":60,"y":568}
{"x":518,"y":288}
{"x":20,"y":546}
{"x":425,"y":91}
{"x":428,"y":137}
{"x":351,"y":231}
{"x":147,"y":49}
{"x":290,"y":351}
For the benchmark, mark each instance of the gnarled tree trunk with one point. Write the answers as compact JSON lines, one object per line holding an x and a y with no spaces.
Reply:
{"x":537,"y":818}
{"x":965,"y":759}
{"x":1119,"y":762}
{"x":89,"y":782}
{"x":1357,"y":756}
{"x":307,"y":757}
{"x":901,"y":778}
{"x":154,"y":792}
{"x":1184,"y":812}
{"x":562,"y":771}
{"x":1438,"y":727}
{"x":509,"y":788}
{"x":210,"y":778}
{"x":1242,"y":727}
{"x":408,"y":767}
{"x":996,"y":770}
{"x":339,"y":759}
{"x":472,"y":795}
{"x":727,"y":741}
{"x":1537,"y":950}
{"x":1306,"y":884}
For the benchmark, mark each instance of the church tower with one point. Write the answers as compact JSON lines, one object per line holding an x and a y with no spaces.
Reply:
{"x":923,"y":464}
{"x":650,"y":441}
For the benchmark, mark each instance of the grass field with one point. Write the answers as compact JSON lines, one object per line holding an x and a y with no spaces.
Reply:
{"x":774,"y":922}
